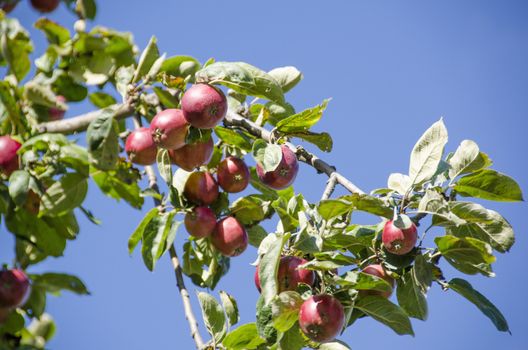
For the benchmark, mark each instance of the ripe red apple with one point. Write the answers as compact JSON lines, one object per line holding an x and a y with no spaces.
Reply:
{"x":8,"y":155}
{"x":233,"y":175}
{"x":378,"y":271}
{"x":140,"y":147}
{"x":169,"y":129}
{"x":14,"y":287}
{"x":204,"y":106}
{"x":229,"y":237}
{"x":57,"y":113}
{"x":200,"y":222}
{"x":398,"y":241}
{"x":288,"y":275}
{"x":201,"y":188}
{"x":8,"y":5}
{"x":193,"y":155}
{"x":45,"y":6}
{"x":321,"y":317}
{"x":284,"y":175}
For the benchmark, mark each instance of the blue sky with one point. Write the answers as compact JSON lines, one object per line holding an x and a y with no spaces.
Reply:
{"x":392,"y":68}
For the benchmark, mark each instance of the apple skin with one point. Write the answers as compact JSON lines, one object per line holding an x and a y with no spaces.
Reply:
{"x":378,"y":271}
{"x":321,"y":317}
{"x":14,"y":288}
{"x":8,"y":155}
{"x":45,"y":6}
{"x":398,"y":241}
{"x":201,"y":188}
{"x":200,"y":222}
{"x":193,"y":155}
{"x":204,"y":106}
{"x":233,"y":175}
{"x":285,"y":173}
{"x":7,"y":6}
{"x":288,"y":275}
{"x":169,"y":129}
{"x":140,"y":147}
{"x":57,"y":113}
{"x":229,"y":237}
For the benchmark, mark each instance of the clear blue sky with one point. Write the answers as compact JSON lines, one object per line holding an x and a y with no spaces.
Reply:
{"x":392,"y":68}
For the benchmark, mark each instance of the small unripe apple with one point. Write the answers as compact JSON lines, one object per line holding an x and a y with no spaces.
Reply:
{"x":378,"y":271}
{"x":8,"y":5}
{"x":14,"y":288}
{"x":285,"y":173}
{"x":45,"y":6}
{"x":8,"y":155}
{"x":399,"y":241}
{"x":201,"y":188}
{"x":193,"y":155}
{"x":169,"y":129}
{"x":229,"y":237}
{"x":321,"y":317}
{"x":140,"y":147}
{"x":55,"y":113}
{"x":233,"y":175}
{"x":289,"y":275}
{"x":200,"y":222}
{"x":204,"y":106}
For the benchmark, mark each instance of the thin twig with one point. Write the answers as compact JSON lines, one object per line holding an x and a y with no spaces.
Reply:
{"x":330,"y":187}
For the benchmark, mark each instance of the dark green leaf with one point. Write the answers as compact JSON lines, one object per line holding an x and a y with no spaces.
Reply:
{"x":55,"y":33}
{"x":491,"y":185}
{"x":166,"y":98}
{"x":285,"y":310}
{"x":411,"y":297}
{"x":155,"y":238}
{"x":231,"y":137}
{"x":465,"y":289}
{"x":213,"y":315}
{"x":230,"y":307}
{"x":256,"y":234}
{"x":56,"y":282}
{"x":147,"y":59}
{"x":180,"y":66}
{"x":103,"y":140}
{"x":102,"y":99}
{"x":19,"y":186}
{"x":322,"y":140}
{"x":386,"y":312}
{"x":250,"y":209}
{"x":363,"y":281}
{"x":468,"y":255}
{"x":86,"y":8}
{"x":244,"y":337}
{"x":138,"y":232}
{"x":64,"y":195}
{"x":292,"y":339}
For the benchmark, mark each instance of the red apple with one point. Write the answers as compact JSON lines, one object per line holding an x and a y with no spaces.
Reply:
{"x":8,"y":5}
{"x":378,"y":271}
{"x":169,"y":129}
{"x":193,"y":155}
{"x":45,"y":6}
{"x":55,"y":113}
{"x":398,"y":241}
{"x":229,"y":237}
{"x":140,"y":147}
{"x":201,"y":188}
{"x":321,"y":318}
{"x":200,"y":222}
{"x":257,"y":280}
{"x":14,"y":288}
{"x":233,"y":175}
{"x":8,"y":155}
{"x":288,"y":275}
{"x":204,"y":106}
{"x":285,"y":173}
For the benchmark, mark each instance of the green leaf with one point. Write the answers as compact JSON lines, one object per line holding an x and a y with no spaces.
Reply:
{"x":138,"y":232}
{"x":15,"y":47}
{"x":334,"y":345}
{"x":166,"y":98}
{"x":230,"y":307}
{"x":103,"y":140}
{"x":268,"y":155}
{"x":399,"y":182}
{"x":303,"y":121}
{"x":64,"y":195}
{"x":102,"y":99}
{"x":285,"y":310}
{"x":382,"y":310}
{"x":213,"y":315}
{"x":422,"y":273}
{"x":13,"y":323}
{"x":123,"y":77}
{"x":250,"y":209}
{"x":155,"y":237}
{"x":323,"y":140}
{"x":242,"y":338}
{"x":231,"y":137}
{"x":462,"y":159}
{"x":180,"y":66}
{"x":56,"y":282}
{"x":147,"y":59}
{"x":55,"y":33}
{"x":468,"y":255}
{"x":411,"y":297}
{"x":483,"y":224}
{"x":292,"y":339}
{"x":427,"y":153}
{"x":86,"y":8}
{"x":256,"y":234}
{"x":120,"y":184}
{"x":268,"y":267}
{"x":287,"y":77}
{"x":164,"y":165}
{"x":243,"y":78}
{"x":465,"y":289}
{"x":19,"y":186}
{"x":42,"y":95}
{"x":362,"y":202}
{"x":363,"y":281}
{"x":491,"y":185}
{"x":331,"y":208}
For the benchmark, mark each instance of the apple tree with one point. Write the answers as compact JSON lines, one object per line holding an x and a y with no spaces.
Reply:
{"x":191,"y":130}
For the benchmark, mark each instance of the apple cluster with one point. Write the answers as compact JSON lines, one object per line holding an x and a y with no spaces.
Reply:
{"x":14,"y":290}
